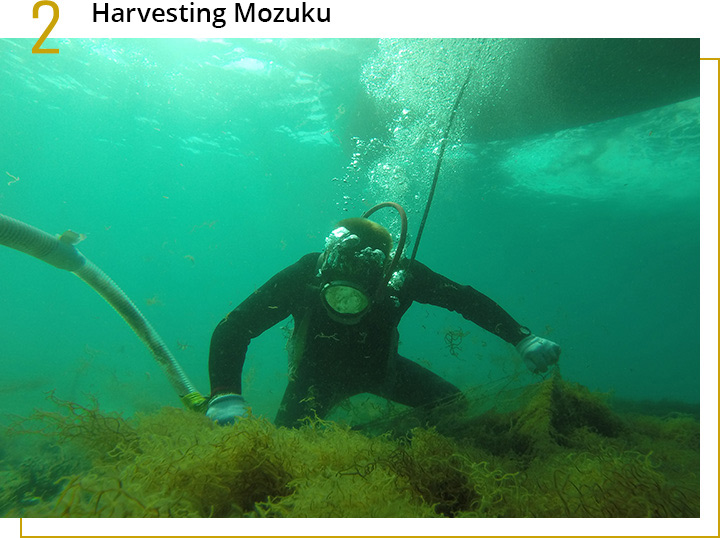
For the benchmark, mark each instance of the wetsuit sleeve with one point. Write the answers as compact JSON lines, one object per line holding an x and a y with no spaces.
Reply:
{"x":271,"y":303}
{"x":432,"y":288}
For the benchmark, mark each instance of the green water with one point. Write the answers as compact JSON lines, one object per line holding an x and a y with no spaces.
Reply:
{"x":198,"y":169}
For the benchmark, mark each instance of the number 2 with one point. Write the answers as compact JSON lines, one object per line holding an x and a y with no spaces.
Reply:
{"x":56,"y":15}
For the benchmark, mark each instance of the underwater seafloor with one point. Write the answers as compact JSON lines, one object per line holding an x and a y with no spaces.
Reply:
{"x":552,"y":449}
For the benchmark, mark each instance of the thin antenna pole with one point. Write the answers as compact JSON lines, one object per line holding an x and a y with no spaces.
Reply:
{"x":443,"y":145}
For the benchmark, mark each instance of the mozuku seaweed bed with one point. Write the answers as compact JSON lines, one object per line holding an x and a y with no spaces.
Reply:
{"x":561,"y":452}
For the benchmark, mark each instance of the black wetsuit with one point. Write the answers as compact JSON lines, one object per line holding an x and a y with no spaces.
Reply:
{"x":330,"y":361}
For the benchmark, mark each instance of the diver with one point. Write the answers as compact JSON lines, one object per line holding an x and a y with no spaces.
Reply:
{"x":346,"y":303}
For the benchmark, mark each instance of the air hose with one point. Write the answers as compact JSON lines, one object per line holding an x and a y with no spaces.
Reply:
{"x":403,"y":234}
{"x":60,"y":252}
{"x":443,"y":145}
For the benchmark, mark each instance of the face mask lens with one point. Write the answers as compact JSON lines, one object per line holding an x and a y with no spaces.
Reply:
{"x":345,"y":299}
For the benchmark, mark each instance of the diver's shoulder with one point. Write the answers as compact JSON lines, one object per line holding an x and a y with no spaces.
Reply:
{"x":301,"y":270}
{"x":310,"y":258}
{"x":419,"y":273}
{"x":413,"y":266}
{"x":307,"y":263}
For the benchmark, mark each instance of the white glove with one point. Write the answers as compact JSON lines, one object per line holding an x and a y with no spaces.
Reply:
{"x":225,"y":408}
{"x":538,"y":353}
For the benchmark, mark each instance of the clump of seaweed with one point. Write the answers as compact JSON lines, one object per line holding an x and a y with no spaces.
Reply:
{"x":548,"y":416}
{"x":435,"y":471}
{"x":342,"y":473}
{"x":556,"y":411}
{"x":33,"y":480}
{"x":609,"y":483}
{"x":182,"y":465}
{"x":453,"y":341}
{"x":100,"y":434}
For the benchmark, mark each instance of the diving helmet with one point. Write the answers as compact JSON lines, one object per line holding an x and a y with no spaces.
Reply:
{"x":352,"y":268}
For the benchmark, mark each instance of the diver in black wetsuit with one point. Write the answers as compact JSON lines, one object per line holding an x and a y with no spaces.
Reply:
{"x":346,"y":303}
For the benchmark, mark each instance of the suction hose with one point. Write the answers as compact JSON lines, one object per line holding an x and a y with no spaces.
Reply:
{"x":60,"y":252}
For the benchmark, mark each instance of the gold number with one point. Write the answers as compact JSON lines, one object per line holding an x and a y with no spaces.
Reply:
{"x":56,"y":15}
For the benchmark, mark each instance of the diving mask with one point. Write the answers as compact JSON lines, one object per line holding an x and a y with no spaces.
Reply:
{"x":344,"y":301}
{"x":348,"y":272}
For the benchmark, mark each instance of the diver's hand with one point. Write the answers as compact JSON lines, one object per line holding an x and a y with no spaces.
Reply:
{"x":538,"y":353}
{"x":226,"y":408}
